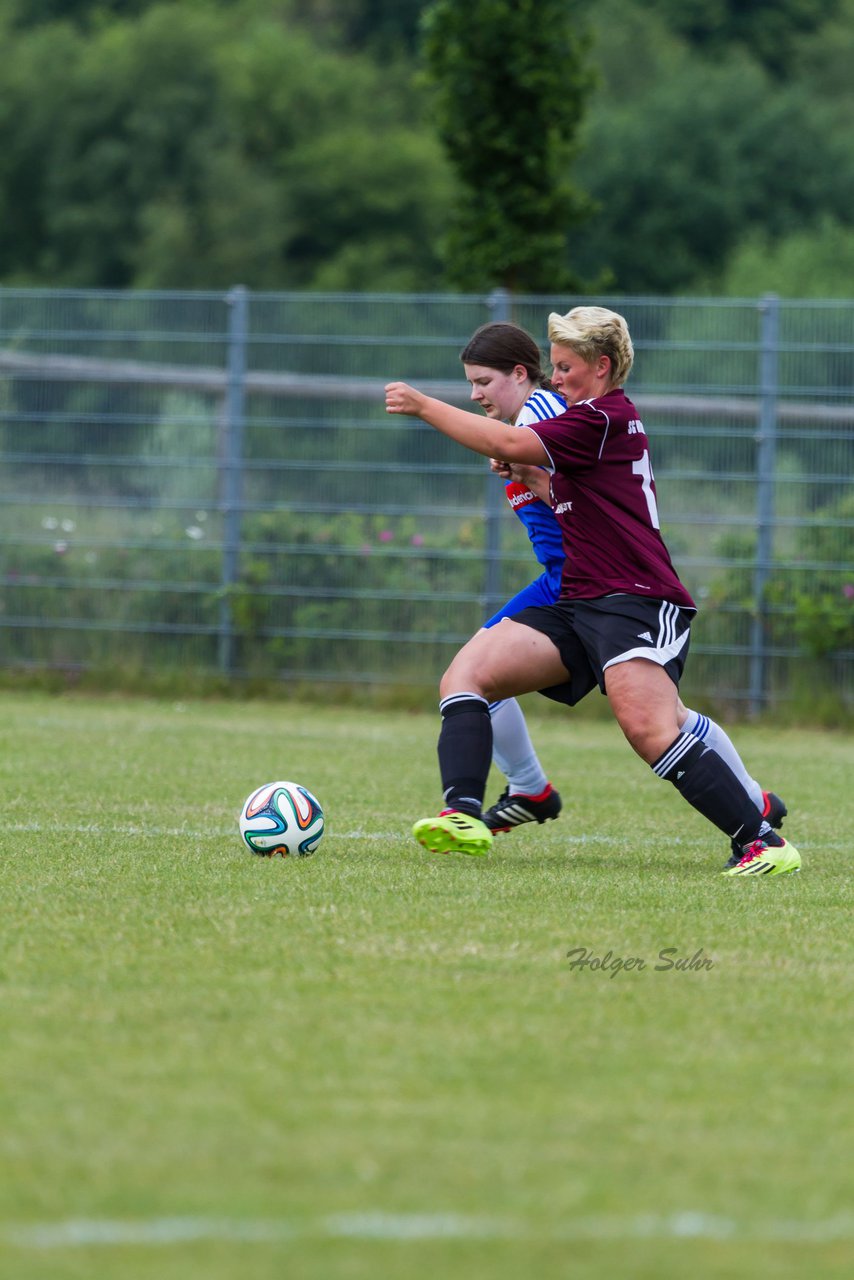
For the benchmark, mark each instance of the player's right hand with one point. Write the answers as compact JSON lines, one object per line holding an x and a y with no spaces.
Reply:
{"x":401,"y":398}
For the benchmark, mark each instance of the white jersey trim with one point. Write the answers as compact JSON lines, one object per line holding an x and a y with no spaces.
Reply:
{"x":540,"y":407}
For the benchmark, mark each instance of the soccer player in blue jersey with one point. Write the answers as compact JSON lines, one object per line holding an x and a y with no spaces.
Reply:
{"x":623,"y":617}
{"x":503,"y":365}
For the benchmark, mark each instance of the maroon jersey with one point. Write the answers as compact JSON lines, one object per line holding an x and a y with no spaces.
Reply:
{"x":603,"y":495}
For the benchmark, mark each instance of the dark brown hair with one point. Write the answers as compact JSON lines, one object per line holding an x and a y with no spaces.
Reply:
{"x":502,"y":345}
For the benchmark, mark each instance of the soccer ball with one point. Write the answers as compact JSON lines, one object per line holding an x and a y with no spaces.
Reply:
{"x":281,"y":819}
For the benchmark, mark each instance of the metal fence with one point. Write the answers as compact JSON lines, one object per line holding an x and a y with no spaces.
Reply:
{"x":209,"y":480}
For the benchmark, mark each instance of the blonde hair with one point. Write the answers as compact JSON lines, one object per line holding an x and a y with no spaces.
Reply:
{"x":592,"y":332}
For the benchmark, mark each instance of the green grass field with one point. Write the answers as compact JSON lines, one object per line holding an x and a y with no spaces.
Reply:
{"x":376,"y":1063}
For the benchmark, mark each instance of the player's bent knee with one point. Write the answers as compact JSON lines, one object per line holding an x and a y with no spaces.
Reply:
{"x":649,"y":741}
{"x":639,"y":742}
{"x":492,"y":663}
{"x":463,"y":678}
{"x":471,"y":671}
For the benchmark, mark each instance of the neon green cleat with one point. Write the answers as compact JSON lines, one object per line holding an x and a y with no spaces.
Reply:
{"x":454,"y":832}
{"x":769,"y":855}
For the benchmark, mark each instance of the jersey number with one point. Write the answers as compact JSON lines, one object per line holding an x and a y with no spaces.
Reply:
{"x":644,"y":470}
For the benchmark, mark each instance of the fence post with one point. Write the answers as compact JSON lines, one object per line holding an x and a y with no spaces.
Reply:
{"x":766,"y":463}
{"x":231,"y":475}
{"x":498,"y":304}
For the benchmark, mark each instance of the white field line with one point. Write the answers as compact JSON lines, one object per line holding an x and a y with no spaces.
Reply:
{"x":133,"y":829}
{"x":113,"y":829}
{"x":569,"y":840}
{"x":379,"y":1226}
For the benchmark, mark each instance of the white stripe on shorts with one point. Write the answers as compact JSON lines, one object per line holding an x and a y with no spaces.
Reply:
{"x":667,"y":644}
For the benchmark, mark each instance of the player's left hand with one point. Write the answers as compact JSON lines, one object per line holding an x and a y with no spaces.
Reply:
{"x":401,"y":398}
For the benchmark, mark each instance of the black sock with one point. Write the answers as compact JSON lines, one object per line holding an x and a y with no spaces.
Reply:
{"x":707,"y":782}
{"x":465,"y":751}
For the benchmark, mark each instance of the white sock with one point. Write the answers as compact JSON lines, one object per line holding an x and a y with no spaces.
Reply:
{"x":513,"y":750}
{"x":713,"y":736}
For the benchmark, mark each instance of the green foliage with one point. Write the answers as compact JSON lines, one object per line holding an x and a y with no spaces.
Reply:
{"x":688,"y":156}
{"x":701,"y":159}
{"x":824,"y":59}
{"x":384,"y":26}
{"x":824,"y":619}
{"x":344,"y":594}
{"x":284,"y":144}
{"x":813,"y":263}
{"x":822,"y":610}
{"x":811,"y":597}
{"x":767,"y":29}
{"x":198,"y":146}
{"x":510,"y":80}
{"x":36,"y":13}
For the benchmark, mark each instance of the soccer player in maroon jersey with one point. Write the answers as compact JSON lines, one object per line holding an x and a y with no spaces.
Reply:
{"x":623,"y":617}
{"x":502,"y":363}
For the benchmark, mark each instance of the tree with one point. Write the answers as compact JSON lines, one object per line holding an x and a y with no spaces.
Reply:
{"x":816,"y":262}
{"x":510,"y":81}
{"x":380,"y":25}
{"x":688,"y":156}
{"x":201,"y":145}
{"x":35,"y":13}
{"x":767,"y":29}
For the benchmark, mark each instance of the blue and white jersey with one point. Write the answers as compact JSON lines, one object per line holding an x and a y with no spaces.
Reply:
{"x":537,"y":516}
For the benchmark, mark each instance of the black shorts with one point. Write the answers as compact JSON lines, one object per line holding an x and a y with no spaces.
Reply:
{"x":592,"y":635}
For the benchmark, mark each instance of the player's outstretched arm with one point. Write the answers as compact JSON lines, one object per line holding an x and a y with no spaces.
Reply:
{"x":481,"y":435}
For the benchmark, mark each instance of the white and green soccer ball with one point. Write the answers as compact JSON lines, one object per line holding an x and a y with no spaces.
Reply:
{"x":281,"y":820}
